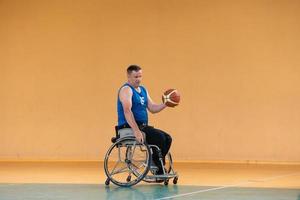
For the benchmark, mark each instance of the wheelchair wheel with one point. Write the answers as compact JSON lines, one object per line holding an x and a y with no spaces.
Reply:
{"x":169,"y":162}
{"x":125,"y":158}
{"x":168,"y":168}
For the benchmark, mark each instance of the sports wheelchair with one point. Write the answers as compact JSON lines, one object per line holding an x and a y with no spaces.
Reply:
{"x":127,"y":162}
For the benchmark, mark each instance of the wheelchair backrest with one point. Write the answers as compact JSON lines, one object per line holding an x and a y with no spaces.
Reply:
{"x":126,"y":132}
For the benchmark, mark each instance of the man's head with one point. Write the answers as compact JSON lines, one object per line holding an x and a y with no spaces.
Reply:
{"x":134,"y":75}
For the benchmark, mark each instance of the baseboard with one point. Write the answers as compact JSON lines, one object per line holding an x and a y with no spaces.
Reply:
{"x":243,"y":162}
{"x":250,"y":162}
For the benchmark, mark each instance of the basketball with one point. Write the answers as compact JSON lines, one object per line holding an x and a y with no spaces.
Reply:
{"x":171,"y":97}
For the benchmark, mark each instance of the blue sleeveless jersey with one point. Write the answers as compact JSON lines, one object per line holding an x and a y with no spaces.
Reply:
{"x":139,"y":106}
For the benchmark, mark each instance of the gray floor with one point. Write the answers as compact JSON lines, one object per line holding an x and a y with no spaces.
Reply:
{"x":149,"y":191}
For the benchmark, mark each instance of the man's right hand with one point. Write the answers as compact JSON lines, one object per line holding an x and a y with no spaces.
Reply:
{"x":139,"y":136}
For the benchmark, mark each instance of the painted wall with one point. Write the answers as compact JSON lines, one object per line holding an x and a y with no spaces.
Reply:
{"x":236,"y":64}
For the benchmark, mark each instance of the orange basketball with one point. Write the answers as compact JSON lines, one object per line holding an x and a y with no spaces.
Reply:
{"x":171,"y":97}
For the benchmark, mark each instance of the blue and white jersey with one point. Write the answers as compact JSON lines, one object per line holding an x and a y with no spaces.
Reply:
{"x":139,"y":106}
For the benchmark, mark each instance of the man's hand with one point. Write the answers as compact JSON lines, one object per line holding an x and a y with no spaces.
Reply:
{"x":139,"y":136}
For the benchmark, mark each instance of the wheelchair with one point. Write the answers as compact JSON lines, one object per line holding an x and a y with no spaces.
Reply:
{"x":127,"y":162}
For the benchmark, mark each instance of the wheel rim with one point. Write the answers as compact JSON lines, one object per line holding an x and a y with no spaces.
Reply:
{"x":124,"y":158}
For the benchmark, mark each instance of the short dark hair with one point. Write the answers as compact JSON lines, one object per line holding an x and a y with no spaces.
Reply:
{"x":133,"y":68}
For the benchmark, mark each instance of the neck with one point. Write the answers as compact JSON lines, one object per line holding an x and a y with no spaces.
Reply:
{"x":136,"y":87}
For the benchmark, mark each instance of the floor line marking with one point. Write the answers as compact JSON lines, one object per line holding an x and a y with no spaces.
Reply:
{"x":228,"y":186}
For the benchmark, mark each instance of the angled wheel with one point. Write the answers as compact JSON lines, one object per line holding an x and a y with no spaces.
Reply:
{"x":168,"y":168}
{"x":166,"y":182}
{"x":124,"y":158}
{"x":175,"y":180}
{"x":169,"y":162}
{"x":107,"y":181}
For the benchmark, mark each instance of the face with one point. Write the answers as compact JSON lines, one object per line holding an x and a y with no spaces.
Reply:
{"x":135,"y":78}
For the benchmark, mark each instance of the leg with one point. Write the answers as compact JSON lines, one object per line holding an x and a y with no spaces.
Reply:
{"x":161,"y":139}
{"x":168,"y":143}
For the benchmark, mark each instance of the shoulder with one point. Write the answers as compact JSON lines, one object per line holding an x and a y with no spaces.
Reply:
{"x":143,"y":88}
{"x":125,"y":90}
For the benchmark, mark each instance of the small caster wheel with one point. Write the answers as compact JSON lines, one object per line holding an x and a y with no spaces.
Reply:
{"x":107,"y":181}
{"x":166,"y":182}
{"x":128,"y":179}
{"x":175,"y":180}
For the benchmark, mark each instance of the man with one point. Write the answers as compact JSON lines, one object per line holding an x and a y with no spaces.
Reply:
{"x":133,"y":103}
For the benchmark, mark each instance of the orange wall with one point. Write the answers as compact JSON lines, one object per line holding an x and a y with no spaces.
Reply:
{"x":236,"y":64}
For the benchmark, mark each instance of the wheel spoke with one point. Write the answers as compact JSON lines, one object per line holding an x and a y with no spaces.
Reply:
{"x":123,"y":169}
{"x":127,"y":158}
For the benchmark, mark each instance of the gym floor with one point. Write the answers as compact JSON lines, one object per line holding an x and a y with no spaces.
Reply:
{"x":85,"y":180}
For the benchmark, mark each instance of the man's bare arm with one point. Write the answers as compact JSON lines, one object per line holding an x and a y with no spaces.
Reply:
{"x":153,"y":107}
{"x":125,"y":96}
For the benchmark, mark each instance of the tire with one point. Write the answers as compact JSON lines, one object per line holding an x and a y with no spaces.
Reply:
{"x":125,"y":153}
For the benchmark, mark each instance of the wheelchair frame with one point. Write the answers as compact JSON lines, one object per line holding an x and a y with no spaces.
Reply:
{"x":136,"y":163}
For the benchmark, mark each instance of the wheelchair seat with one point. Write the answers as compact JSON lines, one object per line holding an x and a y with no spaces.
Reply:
{"x":127,"y":162}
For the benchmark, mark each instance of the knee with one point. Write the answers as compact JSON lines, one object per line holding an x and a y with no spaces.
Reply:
{"x":168,"y":139}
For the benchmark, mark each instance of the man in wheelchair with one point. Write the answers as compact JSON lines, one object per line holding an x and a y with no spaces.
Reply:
{"x":133,"y":103}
